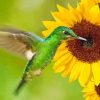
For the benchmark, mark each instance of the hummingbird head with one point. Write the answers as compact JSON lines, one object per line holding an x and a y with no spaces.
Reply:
{"x":65,"y":32}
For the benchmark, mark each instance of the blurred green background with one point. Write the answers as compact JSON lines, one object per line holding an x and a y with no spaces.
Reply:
{"x":28,"y":15}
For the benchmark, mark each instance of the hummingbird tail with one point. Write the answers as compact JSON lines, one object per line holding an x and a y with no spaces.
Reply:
{"x":27,"y":77}
{"x":20,"y":85}
{"x":23,"y":80}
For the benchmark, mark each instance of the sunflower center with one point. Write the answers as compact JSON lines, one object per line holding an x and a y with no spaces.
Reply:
{"x":88,"y":43}
{"x":97,"y":88}
{"x":86,"y":51}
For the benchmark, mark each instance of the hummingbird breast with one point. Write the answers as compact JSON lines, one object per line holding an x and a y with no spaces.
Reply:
{"x":44,"y":55}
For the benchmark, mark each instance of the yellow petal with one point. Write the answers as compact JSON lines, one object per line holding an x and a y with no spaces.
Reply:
{"x":59,"y":54}
{"x":50,"y":24}
{"x":56,"y":17}
{"x":69,"y":67}
{"x":75,"y":71}
{"x":60,"y":69}
{"x":94,"y":12}
{"x":88,"y":98}
{"x":96,"y":72}
{"x":46,"y":33}
{"x":70,"y":7}
{"x":65,"y":20}
{"x":62,"y":46}
{"x":85,"y":74}
{"x":77,"y":15}
{"x":62,"y":59}
{"x":62,"y":66}
{"x":61,"y":9}
{"x":97,"y":20}
{"x":81,"y":8}
{"x":94,"y":97}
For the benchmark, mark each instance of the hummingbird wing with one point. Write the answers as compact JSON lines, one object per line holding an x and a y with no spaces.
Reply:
{"x":18,"y":41}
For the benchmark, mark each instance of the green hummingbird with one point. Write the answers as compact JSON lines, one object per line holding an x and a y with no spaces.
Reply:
{"x":44,"y":50}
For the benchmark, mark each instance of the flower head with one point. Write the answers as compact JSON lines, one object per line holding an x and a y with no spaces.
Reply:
{"x":79,"y":59}
{"x":92,"y":91}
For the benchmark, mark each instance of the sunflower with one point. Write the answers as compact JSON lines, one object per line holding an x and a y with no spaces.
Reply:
{"x":92,"y":91}
{"x":78,"y":59}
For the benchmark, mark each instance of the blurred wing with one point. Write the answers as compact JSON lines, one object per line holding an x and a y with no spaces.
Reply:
{"x":17,"y":41}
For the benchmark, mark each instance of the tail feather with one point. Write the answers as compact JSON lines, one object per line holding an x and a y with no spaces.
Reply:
{"x":23,"y":80}
{"x":20,"y":85}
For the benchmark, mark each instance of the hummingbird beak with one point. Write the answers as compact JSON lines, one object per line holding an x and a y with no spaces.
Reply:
{"x":81,"y":38}
{"x":77,"y":37}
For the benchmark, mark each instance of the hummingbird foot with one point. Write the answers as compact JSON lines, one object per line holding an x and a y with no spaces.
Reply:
{"x":33,"y":73}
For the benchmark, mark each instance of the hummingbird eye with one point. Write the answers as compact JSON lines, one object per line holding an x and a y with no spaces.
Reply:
{"x":65,"y":32}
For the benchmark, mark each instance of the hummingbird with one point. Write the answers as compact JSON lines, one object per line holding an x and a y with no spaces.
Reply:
{"x":39,"y":51}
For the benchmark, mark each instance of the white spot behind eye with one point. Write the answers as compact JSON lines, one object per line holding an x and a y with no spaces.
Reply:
{"x":65,"y":32}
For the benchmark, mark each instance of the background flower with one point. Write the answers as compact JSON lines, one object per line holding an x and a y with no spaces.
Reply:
{"x":91,"y":91}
